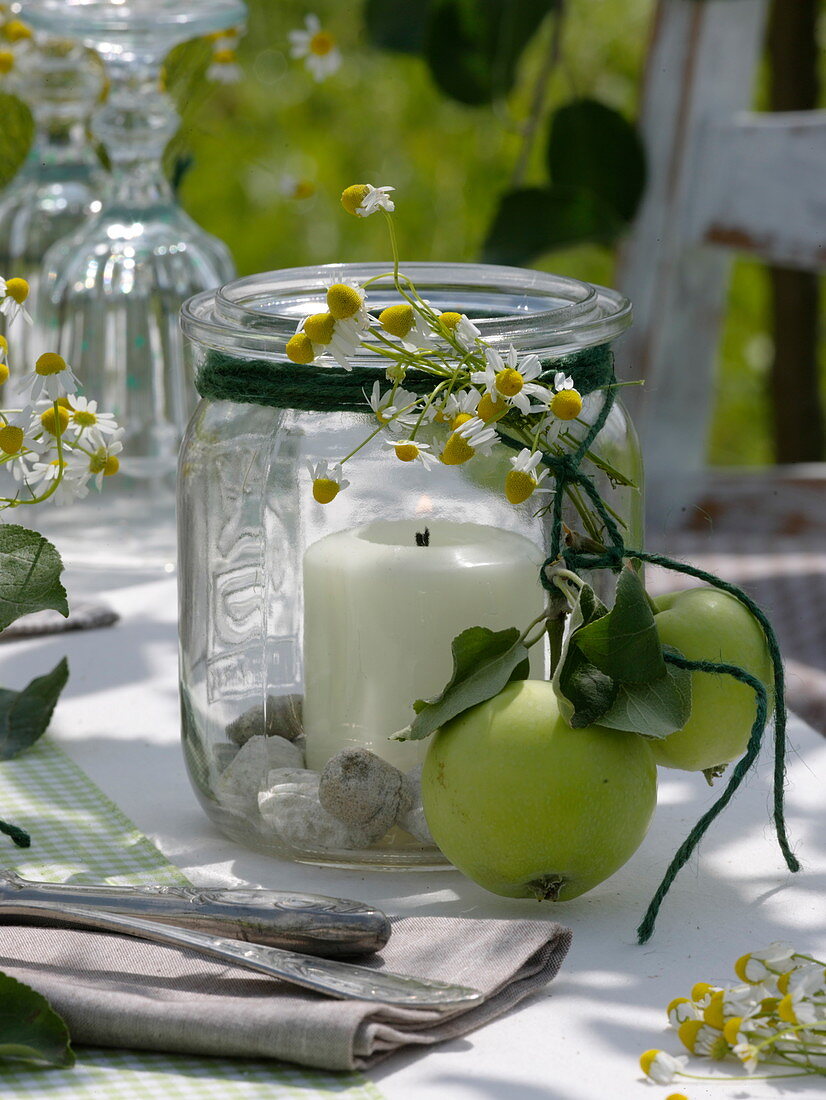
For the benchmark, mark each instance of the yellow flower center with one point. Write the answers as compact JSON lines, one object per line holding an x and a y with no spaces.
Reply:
{"x":740,"y":968}
{"x":325,"y":489}
{"x":321,"y":43}
{"x":450,"y":319}
{"x":687,"y":1032}
{"x":488,"y":409}
{"x":11,"y":439}
{"x":519,"y":485}
{"x":4,"y":344}
{"x":84,"y":418}
{"x":713,"y":1012}
{"x":567,"y":404}
{"x":50,"y":363}
{"x":397,"y":320}
{"x":6,"y":61}
{"x":55,"y":425}
{"x":16,"y":31}
{"x":18,"y":289}
{"x":700,"y":990}
{"x":647,"y":1059}
{"x":731,"y":1029}
{"x":353,"y":196}
{"x":300,"y":348}
{"x":769,"y":1005}
{"x":785,"y":1010}
{"x":509,"y":382}
{"x":319,"y":327}
{"x":459,"y":419}
{"x":4,"y":373}
{"x":304,"y":189}
{"x":343,"y":301}
{"x":456,"y":451}
{"x":225,"y":56}
{"x":111,"y":466}
{"x":406,"y":452}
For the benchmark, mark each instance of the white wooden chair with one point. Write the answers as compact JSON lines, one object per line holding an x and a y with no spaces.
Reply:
{"x":721,"y":178}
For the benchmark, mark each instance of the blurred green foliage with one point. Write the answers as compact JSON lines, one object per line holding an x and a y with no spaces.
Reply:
{"x":382,"y":119}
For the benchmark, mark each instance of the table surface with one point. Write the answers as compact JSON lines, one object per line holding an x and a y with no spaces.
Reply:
{"x":118,"y":720}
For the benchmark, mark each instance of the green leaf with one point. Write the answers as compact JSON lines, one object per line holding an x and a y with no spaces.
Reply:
{"x":16,"y":135}
{"x":398,"y":27}
{"x":534,"y":220}
{"x":473,"y":46}
{"x":30,"y":1029}
{"x":584,"y":693}
{"x":624,"y":643}
{"x":594,"y":148}
{"x":25,"y":715}
{"x":484,"y":662}
{"x":656,"y":708}
{"x":30,"y":569}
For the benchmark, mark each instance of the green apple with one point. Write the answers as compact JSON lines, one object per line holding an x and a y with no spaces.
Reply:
{"x":528,"y":807}
{"x":706,"y":624}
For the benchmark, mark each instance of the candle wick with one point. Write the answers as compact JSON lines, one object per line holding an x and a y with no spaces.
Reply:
{"x":423,"y":537}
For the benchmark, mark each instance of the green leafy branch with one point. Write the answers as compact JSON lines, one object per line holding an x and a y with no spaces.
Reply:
{"x":593,"y":155}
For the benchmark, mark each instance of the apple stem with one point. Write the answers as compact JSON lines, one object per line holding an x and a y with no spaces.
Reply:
{"x":546,"y":887}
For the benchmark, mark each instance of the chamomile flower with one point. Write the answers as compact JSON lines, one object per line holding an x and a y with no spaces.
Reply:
{"x":51,"y":378}
{"x":296,"y":187}
{"x":13,"y":293}
{"x":511,"y":381}
{"x":6,"y":61}
{"x":460,"y":405}
{"x":463,"y":329}
{"x":317,"y":47}
{"x":387,"y":408}
{"x":347,"y":302}
{"x":408,"y":325}
{"x":103,"y":462}
{"x":88,"y":424}
{"x":758,"y":966}
{"x":224,"y":67}
{"x":20,"y":449}
{"x":327,"y":480}
{"x":74,"y":483}
{"x":468,"y":439}
{"x":566,"y":402}
{"x":411,"y":450}
{"x":660,"y":1066}
{"x":522,"y":481}
{"x":363,"y":199}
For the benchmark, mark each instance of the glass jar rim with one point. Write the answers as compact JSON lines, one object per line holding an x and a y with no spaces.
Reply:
{"x":533,"y":310}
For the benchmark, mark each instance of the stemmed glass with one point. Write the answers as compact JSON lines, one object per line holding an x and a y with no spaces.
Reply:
{"x":112,"y":290}
{"x":61,"y":181}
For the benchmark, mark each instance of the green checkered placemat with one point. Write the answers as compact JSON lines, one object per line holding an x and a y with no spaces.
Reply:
{"x":79,"y":835}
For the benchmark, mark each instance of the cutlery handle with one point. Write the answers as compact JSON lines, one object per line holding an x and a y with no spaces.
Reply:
{"x":331,"y":977}
{"x":315,"y":925}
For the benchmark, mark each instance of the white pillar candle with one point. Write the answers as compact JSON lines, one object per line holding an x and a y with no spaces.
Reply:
{"x":380,"y":613}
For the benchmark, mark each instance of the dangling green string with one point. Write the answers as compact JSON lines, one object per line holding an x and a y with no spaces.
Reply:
{"x":566,"y":470}
{"x":20,"y":837}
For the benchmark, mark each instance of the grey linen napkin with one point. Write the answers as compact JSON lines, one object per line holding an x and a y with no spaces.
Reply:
{"x":115,"y":991}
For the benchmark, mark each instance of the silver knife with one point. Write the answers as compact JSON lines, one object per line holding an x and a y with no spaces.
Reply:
{"x":331,"y":977}
{"x":315,"y":925}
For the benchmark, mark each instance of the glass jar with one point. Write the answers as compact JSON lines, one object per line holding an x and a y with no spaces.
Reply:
{"x":324,"y":622}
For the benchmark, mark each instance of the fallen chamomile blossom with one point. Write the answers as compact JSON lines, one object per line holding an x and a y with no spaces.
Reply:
{"x":775,"y":1018}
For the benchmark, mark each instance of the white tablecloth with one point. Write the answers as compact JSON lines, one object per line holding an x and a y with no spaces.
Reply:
{"x":119,"y":721}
